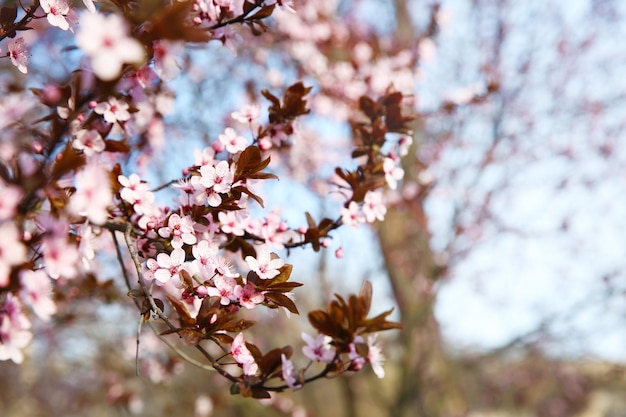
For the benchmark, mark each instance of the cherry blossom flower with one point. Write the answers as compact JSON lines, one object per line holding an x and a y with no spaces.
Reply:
{"x":93,"y":195}
{"x":166,"y":58}
{"x":242,"y":355}
{"x":224,"y":268}
{"x":11,"y":198}
{"x":19,"y":53}
{"x":36,"y":291}
{"x":356,"y":360}
{"x":165,"y":267}
{"x":204,"y":157}
{"x":137,"y":193}
{"x":352,"y":215}
{"x":231,"y":223}
{"x":375,"y":356}
{"x":264,"y":266}
{"x":404,"y":144}
{"x":56,"y":11}
{"x":247,"y":114}
{"x":113,"y":110}
{"x":204,"y":263}
{"x":249,"y":297}
{"x":318,"y":349}
{"x":89,"y":5}
{"x":203,"y":194}
{"x":232,"y":141}
{"x":373,"y":206}
{"x":287,"y":372}
{"x":393,"y":173}
{"x":105,"y":40}
{"x":60,"y":258}
{"x":88,"y":141}
{"x":226,"y":289}
{"x":181,"y":230}
{"x":219,"y":177}
{"x":12,"y":251}
{"x":14,"y":330}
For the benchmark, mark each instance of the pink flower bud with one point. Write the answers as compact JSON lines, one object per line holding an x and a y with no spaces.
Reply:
{"x":326,"y":243}
{"x":92,"y":104}
{"x":265,"y":144}
{"x":302,"y":230}
{"x":201,"y":291}
{"x":339,"y":253}
{"x":218,"y":146}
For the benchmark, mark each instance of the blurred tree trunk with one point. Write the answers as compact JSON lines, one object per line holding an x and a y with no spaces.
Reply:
{"x":422,"y":387}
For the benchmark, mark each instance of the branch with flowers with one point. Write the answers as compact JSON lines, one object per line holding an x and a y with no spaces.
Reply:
{"x":63,"y":186}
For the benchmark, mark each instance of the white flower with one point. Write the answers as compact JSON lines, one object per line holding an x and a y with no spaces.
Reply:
{"x":12,"y":251}
{"x":93,"y":195}
{"x":88,"y":141}
{"x":19,"y":54}
{"x":105,"y":40}
{"x":393,"y":173}
{"x":113,"y":110}
{"x":264,"y":266}
{"x":56,"y":11}
{"x":373,"y":206}
{"x":318,"y":349}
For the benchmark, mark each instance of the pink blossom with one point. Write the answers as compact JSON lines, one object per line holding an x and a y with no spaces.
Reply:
{"x":56,"y":11}
{"x":180,"y":229}
{"x":89,"y":5}
{"x":60,"y":258}
{"x":231,"y":223}
{"x":136,"y":192}
{"x":318,"y":349}
{"x":204,"y":157}
{"x":352,"y":215}
{"x":356,"y":360}
{"x":287,"y":372}
{"x":203,"y":194}
{"x":393,"y":173}
{"x":264,"y":265}
{"x":375,"y":356}
{"x":36,"y":292}
{"x":19,"y":54}
{"x":104,"y":38}
{"x":232,"y":141}
{"x":373,"y":206}
{"x":14,"y":330}
{"x":11,"y":198}
{"x":226,"y":289}
{"x":204,"y":254}
{"x":219,"y":177}
{"x":247,"y":114}
{"x":113,"y":110}
{"x":93,"y":194}
{"x":165,"y":58}
{"x":404,"y":144}
{"x":88,"y":141}
{"x":224,"y":268}
{"x":249,"y":297}
{"x":165,"y":267}
{"x":242,"y":355}
{"x":12,"y":251}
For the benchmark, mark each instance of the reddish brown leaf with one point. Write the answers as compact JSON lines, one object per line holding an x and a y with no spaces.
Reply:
{"x":186,"y":321}
{"x":282,"y":300}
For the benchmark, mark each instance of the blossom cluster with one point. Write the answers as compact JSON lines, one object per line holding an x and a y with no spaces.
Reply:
{"x":66,"y":196}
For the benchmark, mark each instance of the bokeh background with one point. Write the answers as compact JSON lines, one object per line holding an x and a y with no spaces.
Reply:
{"x":502,"y":251}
